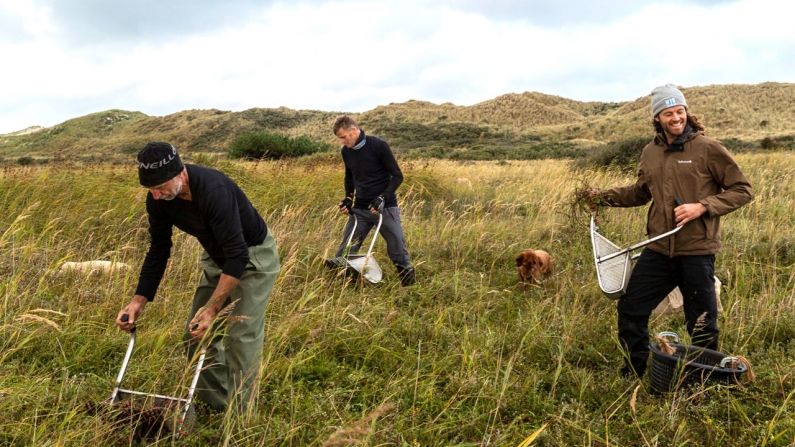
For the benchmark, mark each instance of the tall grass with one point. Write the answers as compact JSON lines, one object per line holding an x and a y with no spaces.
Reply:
{"x":465,"y":357}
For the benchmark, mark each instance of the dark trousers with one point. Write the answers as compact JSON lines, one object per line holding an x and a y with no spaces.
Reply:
{"x":654,"y":276}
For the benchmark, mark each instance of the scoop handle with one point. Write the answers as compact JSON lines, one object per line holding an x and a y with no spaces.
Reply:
{"x":125,"y":318}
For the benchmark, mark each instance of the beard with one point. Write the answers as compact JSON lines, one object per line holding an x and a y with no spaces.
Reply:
{"x":176,"y":191}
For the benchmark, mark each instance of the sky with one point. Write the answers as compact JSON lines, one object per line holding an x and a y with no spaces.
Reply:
{"x":62,"y":59}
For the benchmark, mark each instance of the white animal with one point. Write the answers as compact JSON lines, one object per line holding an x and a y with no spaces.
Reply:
{"x":464,"y":182}
{"x":91,"y":267}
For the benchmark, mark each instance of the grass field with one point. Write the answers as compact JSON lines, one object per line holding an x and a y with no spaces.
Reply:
{"x":466,"y":357}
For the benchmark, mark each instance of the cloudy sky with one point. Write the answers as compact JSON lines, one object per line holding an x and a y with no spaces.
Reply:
{"x":62,"y":59}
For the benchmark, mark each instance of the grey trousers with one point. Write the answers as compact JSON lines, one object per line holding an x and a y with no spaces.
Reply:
{"x":391,"y":231}
{"x":231,"y":368}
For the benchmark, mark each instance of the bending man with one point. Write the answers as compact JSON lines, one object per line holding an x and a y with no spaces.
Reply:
{"x":240,"y":264}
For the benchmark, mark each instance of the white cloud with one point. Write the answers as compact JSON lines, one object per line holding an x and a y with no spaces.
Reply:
{"x":354,"y":56}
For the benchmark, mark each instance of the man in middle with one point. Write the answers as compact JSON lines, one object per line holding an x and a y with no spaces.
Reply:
{"x":372,"y":176}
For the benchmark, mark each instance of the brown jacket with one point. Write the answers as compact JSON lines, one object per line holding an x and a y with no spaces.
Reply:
{"x":704,"y":172}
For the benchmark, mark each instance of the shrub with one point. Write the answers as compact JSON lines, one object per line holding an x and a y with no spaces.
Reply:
{"x":623,"y":154}
{"x":273,"y":145}
{"x":735,"y":145}
{"x":767,"y":143}
{"x":25,"y":161}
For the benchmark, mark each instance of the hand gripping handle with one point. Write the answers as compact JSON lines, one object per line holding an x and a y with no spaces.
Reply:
{"x":124,"y":319}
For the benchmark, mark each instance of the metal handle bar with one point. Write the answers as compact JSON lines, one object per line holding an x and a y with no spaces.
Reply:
{"x":372,"y":243}
{"x":353,"y":230}
{"x":669,"y":334}
{"x":677,"y":202}
{"x":729,"y":361}
{"x":193,"y":383}
{"x":638,"y":245}
{"x":375,"y":235}
{"x":124,"y":362}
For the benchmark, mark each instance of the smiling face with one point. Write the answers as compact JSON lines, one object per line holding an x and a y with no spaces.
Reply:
{"x":673,"y":121}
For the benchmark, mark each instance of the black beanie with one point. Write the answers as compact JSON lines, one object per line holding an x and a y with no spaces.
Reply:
{"x":158,"y":163}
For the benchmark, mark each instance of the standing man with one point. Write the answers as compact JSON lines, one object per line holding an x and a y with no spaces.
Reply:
{"x":240,"y":264}
{"x":372,"y":176}
{"x":680,"y":163}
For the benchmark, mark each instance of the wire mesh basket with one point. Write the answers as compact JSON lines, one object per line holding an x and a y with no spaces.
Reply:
{"x":614,"y":264}
{"x":691,"y":365}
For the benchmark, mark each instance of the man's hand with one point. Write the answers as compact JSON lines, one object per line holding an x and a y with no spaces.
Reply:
{"x":687,"y":212}
{"x":133,"y":311}
{"x":205,"y":316}
{"x":377,"y":205}
{"x":202,"y":321}
{"x":345,"y":205}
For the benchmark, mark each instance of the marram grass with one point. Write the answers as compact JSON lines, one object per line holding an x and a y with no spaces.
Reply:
{"x":465,"y":357}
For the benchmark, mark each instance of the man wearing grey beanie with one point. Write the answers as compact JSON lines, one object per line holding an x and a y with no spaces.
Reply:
{"x":691,"y":180}
{"x":240,"y":264}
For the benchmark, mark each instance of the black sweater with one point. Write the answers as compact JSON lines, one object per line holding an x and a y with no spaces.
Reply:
{"x":219,"y":215}
{"x":372,"y":171}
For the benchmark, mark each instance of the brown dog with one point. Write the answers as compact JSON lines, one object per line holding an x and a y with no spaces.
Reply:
{"x":533,"y":264}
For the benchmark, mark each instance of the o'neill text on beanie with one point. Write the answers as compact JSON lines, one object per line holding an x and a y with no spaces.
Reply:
{"x":158,"y":163}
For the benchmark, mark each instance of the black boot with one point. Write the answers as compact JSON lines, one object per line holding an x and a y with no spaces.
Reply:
{"x":335,"y":263}
{"x":407,"y":276}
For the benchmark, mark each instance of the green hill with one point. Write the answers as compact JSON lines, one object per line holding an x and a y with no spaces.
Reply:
{"x":527,"y":125}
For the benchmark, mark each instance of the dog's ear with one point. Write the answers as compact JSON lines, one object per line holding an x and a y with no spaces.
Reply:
{"x":520,"y":260}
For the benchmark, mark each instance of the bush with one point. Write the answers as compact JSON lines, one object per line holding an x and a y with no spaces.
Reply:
{"x":735,"y":145}
{"x":257,"y":145}
{"x":25,"y":161}
{"x":622,"y":154}
{"x":767,"y":143}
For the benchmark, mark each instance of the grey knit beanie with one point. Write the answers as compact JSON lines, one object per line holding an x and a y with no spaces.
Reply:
{"x":666,"y":96}
{"x":158,"y":163}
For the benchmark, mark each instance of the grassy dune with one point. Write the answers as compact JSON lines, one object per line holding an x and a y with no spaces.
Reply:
{"x":465,"y":357}
{"x":529,"y":125}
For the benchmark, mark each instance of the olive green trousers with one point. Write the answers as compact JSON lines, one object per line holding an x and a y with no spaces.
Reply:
{"x":231,"y":367}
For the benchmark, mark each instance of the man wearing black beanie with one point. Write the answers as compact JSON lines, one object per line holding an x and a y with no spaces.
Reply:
{"x":240,"y":264}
